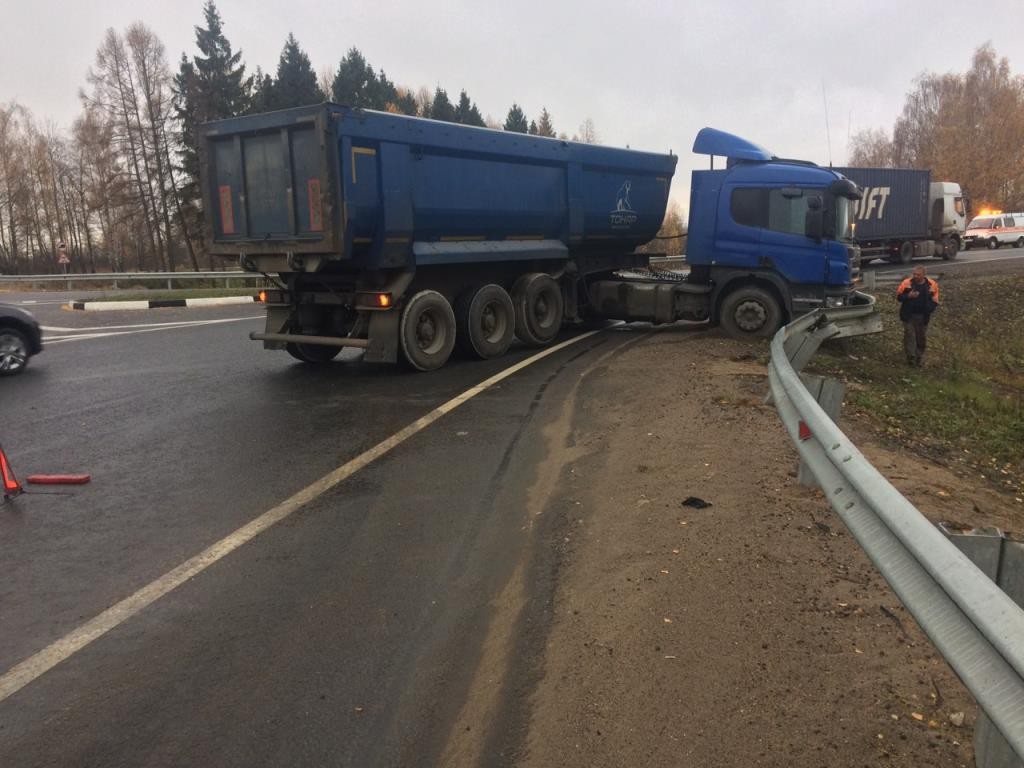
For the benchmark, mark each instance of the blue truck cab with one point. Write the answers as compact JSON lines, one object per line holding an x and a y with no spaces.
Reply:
{"x":770,"y":235}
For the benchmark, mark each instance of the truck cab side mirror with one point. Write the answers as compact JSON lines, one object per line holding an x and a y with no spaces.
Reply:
{"x":814,"y":221}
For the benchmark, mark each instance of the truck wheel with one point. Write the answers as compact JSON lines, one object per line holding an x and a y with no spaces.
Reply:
{"x":485,"y":321}
{"x":312,"y":353}
{"x":906,"y":252}
{"x":426,"y":331}
{"x":950,"y":246}
{"x":538,"y":304}
{"x":750,"y":312}
{"x":992,"y":243}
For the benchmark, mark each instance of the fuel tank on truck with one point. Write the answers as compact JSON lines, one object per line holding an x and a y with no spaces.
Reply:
{"x":334,"y":188}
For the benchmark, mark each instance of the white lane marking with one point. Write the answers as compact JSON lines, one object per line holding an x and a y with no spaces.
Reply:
{"x":170,"y":324}
{"x":49,"y":340}
{"x":40,"y":663}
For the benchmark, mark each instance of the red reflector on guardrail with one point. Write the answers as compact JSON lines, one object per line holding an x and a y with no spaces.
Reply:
{"x":804,"y":431}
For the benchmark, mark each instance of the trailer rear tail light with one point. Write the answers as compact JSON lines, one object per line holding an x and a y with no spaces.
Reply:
{"x":270,"y":296}
{"x":373,"y":301}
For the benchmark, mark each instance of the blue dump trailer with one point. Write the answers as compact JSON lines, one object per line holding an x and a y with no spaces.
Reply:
{"x":409,"y":238}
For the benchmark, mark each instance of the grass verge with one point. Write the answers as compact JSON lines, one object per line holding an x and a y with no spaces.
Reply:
{"x":966,"y":404}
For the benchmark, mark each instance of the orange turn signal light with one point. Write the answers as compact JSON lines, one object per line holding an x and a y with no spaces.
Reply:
{"x":373,"y":300}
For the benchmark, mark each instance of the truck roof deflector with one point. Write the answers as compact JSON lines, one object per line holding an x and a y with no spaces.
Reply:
{"x":711,"y":141}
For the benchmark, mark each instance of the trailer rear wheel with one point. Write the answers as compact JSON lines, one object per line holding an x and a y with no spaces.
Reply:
{"x":750,"y":312}
{"x":426,"y":331}
{"x":906,"y":252}
{"x":485,"y":321}
{"x":539,"y":306}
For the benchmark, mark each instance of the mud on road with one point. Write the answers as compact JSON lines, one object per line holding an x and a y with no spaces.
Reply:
{"x":753,"y":631}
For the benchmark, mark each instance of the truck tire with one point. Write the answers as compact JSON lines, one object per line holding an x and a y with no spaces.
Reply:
{"x":539,"y":306}
{"x":906,"y":253}
{"x":426,"y":331}
{"x":950,"y":246}
{"x":750,"y":312}
{"x":992,"y":243}
{"x":485,"y":321}
{"x":316,"y":354}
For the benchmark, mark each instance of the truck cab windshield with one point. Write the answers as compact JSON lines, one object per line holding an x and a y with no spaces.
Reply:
{"x":844,"y":219}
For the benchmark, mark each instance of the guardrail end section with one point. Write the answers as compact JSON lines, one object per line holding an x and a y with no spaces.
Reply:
{"x":1001,"y":558}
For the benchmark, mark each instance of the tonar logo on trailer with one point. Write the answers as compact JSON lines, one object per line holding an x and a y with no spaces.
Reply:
{"x":872,"y":203}
{"x":623,"y":215}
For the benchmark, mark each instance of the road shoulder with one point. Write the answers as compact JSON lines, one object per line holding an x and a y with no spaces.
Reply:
{"x":750,"y":632}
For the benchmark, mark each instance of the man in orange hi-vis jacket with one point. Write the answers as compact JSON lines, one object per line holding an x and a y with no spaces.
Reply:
{"x":919,"y":297}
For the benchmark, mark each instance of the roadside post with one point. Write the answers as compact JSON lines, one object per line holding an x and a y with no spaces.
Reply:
{"x":1001,"y":558}
{"x":63,"y":260}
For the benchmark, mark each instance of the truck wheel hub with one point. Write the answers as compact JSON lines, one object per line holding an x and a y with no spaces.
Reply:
{"x":751,"y":315}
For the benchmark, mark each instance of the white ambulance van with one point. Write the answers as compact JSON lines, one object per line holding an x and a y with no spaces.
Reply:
{"x":994,"y":230}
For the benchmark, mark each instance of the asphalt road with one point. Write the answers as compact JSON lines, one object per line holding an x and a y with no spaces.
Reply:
{"x":344,"y":635}
{"x":347,"y":633}
{"x":973,"y":256}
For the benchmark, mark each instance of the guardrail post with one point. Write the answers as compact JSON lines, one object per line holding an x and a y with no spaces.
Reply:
{"x":869,"y":280}
{"x":1002,"y":560}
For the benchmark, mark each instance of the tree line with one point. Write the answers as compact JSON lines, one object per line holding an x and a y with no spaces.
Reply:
{"x":965,"y":127}
{"x":121,"y":191}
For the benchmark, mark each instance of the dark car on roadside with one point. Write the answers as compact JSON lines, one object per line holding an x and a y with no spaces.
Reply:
{"x":20,"y":339}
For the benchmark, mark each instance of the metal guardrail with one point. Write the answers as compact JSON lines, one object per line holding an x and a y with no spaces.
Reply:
{"x":971,"y":621}
{"x":135,"y":277}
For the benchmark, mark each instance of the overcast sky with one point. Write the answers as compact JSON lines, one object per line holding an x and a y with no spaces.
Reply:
{"x":649,"y":74}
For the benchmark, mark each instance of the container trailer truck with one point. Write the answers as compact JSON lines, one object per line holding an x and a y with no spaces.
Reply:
{"x":903,"y":214}
{"x":408,"y":238}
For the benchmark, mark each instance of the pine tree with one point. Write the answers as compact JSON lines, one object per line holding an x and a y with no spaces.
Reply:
{"x":210,"y":86}
{"x":532,"y":130}
{"x":544,"y":126}
{"x":466,"y":112}
{"x":405,"y":102}
{"x":441,"y":108}
{"x":516,"y":120}
{"x":383,"y":93}
{"x":354,"y":81}
{"x":295,"y":84}
{"x":262,"y":92}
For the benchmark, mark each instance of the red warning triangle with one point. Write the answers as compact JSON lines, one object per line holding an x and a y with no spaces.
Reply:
{"x":11,"y":485}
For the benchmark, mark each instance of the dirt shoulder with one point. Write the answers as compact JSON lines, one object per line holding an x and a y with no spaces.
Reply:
{"x":750,"y":632}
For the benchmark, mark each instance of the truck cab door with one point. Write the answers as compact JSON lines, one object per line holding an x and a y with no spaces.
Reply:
{"x":792,"y":243}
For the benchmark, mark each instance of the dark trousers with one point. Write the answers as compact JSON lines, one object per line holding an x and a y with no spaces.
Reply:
{"x":914,"y":338}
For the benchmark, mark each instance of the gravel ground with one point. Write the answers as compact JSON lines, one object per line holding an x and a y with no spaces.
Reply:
{"x":753,"y":631}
